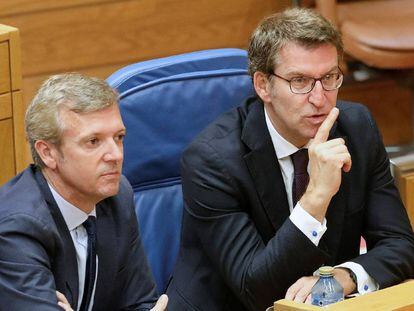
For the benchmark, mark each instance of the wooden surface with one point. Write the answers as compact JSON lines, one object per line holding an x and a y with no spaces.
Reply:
{"x":56,"y":36}
{"x":390,"y":103}
{"x":399,"y":297}
{"x":21,"y":147}
{"x":4,"y":67}
{"x":13,"y":148}
{"x":408,"y":196}
{"x":7,"y":169}
{"x":5,"y":106}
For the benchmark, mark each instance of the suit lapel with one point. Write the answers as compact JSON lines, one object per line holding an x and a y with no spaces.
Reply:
{"x":264,"y":166}
{"x":64,"y":265}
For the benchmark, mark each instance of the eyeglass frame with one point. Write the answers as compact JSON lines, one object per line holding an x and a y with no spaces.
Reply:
{"x":314,"y":81}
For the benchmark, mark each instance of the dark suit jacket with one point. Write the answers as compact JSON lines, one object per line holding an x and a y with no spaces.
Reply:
{"x":37,"y":255}
{"x":240,"y":251}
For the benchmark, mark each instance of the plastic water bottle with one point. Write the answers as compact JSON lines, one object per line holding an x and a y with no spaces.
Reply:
{"x":327,"y":290}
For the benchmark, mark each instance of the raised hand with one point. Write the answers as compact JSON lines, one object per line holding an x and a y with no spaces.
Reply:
{"x":327,"y":158}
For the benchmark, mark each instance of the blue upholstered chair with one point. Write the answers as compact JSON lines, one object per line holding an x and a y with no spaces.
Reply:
{"x":164,"y":104}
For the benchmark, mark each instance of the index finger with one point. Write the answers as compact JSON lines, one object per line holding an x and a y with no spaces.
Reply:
{"x":323,"y":131}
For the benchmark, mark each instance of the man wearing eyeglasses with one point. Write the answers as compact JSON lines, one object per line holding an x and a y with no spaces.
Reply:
{"x":288,"y":182}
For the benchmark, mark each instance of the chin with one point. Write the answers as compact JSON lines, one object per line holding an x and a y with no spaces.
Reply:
{"x":109,"y":191}
{"x":309,"y":134}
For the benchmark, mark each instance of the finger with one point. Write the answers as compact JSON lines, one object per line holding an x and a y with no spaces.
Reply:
{"x":344,"y":161}
{"x":291,"y":292}
{"x":326,"y":149}
{"x":305,"y":291}
{"x":332,"y":143}
{"x":61,"y":297}
{"x":300,"y":297}
{"x":347,"y":164}
{"x":338,"y":156}
{"x":293,"y":289}
{"x":323,"y":132}
{"x":308,"y":300}
{"x":64,"y":306}
{"x":161,"y":304}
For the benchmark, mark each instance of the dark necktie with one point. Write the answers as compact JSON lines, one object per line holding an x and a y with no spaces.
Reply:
{"x":301,"y":178}
{"x":90,"y":271}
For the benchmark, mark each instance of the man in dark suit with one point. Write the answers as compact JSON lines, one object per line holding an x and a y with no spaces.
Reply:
{"x":67,"y":223}
{"x":259,"y":219}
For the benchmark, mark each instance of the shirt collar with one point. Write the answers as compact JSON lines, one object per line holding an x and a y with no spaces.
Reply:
{"x":73,"y":216}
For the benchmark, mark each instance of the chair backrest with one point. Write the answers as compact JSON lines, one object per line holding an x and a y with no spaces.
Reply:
{"x":164,"y":104}
{"x":376,"y":33}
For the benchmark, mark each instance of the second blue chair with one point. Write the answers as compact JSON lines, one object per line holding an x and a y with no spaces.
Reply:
{"x":164,"y":104}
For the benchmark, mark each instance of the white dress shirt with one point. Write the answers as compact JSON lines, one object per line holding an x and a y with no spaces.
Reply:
{"x":74,"y":218}
{"x":306,"y":223}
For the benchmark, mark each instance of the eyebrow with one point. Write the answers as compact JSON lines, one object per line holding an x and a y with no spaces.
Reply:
{"x":87,"y":135}
{"x":298,"y":73}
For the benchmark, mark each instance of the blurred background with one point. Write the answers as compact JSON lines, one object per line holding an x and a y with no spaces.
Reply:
{"x":97,"y":37}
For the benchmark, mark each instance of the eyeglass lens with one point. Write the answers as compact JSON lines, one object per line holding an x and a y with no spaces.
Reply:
{"x":330,"y":82}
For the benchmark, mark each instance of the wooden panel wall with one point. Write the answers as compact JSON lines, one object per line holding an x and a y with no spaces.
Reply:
{"x":12,"y":141}
{"x":97,"y":37}
{"x":390,"y":103}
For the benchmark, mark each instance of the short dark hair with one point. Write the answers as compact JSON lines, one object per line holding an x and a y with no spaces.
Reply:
{"x":298,"y":25}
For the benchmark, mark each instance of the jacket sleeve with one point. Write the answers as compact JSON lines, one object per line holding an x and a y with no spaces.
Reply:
{"x":138,"y":286}
{"x":387,"y":230}
{"x":26,"y":279}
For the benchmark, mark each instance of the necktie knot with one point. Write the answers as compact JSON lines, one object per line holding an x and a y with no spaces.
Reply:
{"x":90,"y":225}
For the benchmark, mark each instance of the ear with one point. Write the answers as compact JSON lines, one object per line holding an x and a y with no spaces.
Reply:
{"x":47,"y":152}
{"x":262,"y":87}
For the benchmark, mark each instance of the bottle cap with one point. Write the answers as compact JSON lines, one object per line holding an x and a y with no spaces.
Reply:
{"x":326,"y":270}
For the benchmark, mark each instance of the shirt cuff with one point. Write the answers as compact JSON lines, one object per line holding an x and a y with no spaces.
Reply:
{"x":310,"y":227}
{"x":365,"y":283}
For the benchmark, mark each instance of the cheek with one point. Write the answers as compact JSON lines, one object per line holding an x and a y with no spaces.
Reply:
{"x":332,"y":97}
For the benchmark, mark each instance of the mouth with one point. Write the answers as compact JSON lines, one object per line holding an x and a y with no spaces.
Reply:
{"x":316,"y":119}
{"x":111,"y":174}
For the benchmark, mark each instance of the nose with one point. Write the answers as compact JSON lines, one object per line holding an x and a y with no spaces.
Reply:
{"x":316,"y":96}
{"x":114,"y":151}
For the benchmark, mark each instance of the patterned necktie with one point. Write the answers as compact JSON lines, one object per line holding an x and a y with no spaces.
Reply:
{"x":90,"y":271}
{"x":300,"y":161}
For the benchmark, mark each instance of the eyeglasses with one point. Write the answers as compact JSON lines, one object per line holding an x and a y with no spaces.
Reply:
{"x":304,"y":85}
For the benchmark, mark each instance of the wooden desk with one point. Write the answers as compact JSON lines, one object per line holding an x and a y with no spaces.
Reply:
{"x":12,"y":137}
{"x":399,"y":297}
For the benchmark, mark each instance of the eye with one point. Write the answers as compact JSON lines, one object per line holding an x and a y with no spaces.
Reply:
{"x":300,"y":81}
{"x":92,"y":142}
{"x":120,"y":137}
{"x":330,"y":77}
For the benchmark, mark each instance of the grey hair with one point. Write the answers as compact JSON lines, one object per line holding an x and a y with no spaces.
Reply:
{"x":298,"y":25}
{"x":71,"y":91}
